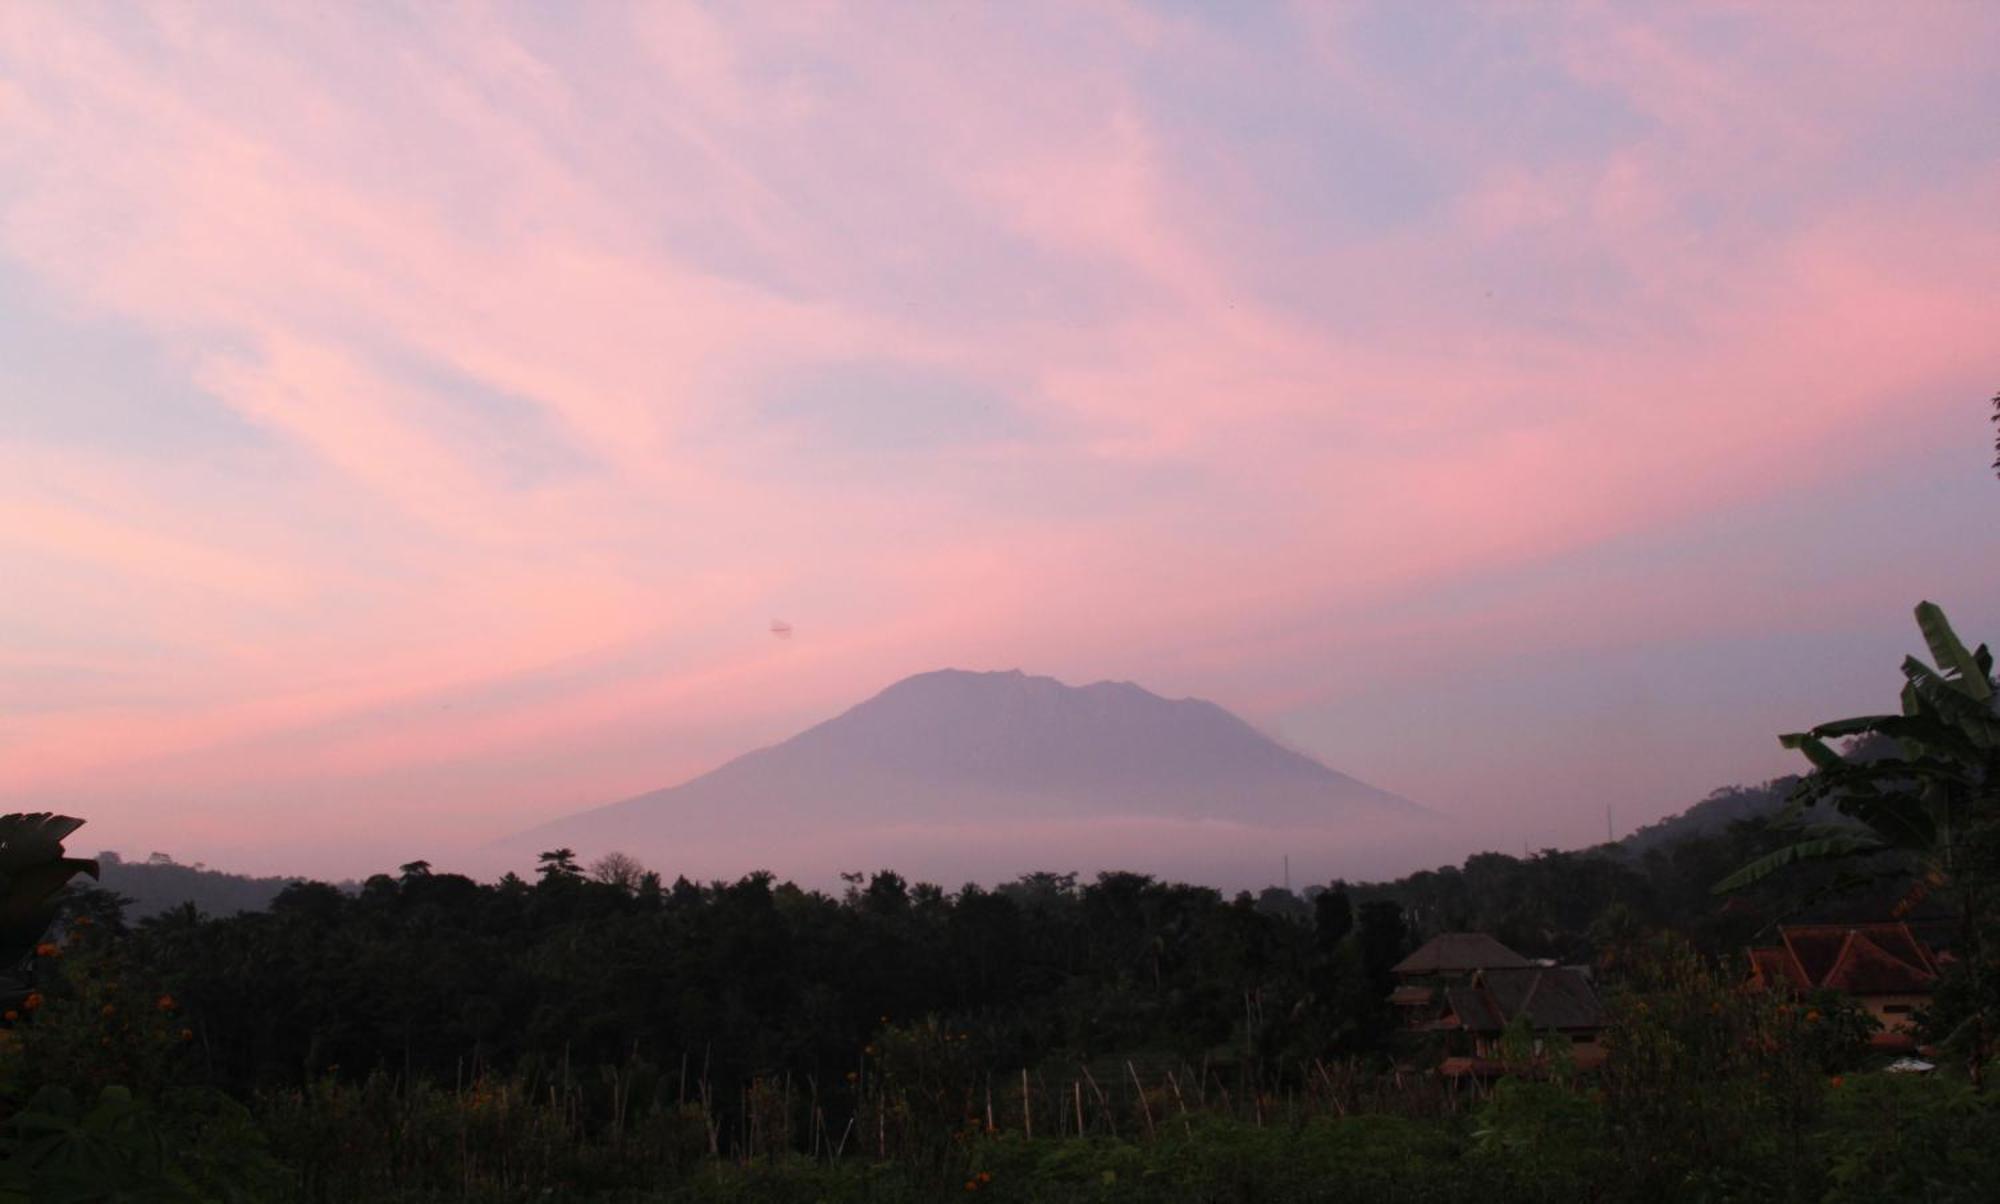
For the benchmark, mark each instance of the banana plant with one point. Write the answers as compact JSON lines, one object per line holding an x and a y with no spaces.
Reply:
{"x":32,"y":871}
{"x":1931,"y":799}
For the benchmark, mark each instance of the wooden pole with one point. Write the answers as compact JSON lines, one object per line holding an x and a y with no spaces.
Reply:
{"x":1182,"y":1099}
{"x":1145,"y":1108}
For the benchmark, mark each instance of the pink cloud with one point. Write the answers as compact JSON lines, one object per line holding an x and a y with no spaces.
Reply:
{"x":504,"y":313}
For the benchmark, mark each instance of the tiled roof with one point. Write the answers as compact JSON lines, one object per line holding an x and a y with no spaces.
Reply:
{"x":1551,"y":997}
{"x":1457,"y":953}
{"x":1775,"y":968}
{"x":1473,"y":1011}
{"x":1860,"y":959}
{"x":1866,"y":968}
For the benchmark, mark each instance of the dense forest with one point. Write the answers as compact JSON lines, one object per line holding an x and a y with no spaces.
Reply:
{"x":602,"y":1033}
{"x":632,"y":1032}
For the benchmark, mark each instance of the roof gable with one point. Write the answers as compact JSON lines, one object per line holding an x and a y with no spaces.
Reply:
{"x":1860,"y":959}
{"x":1865,"y":968}
{"x":1775,"y":967}
{"x":1458,"y":953}
{"x":1549,"y":997}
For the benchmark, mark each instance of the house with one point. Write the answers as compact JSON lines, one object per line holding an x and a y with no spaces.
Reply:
{"x":1883,"y":967}
{"x":1452,"y":957}
{"x":1557,"y":1004}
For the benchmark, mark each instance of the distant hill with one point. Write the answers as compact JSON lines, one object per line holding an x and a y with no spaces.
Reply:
{"x":1712,"y":815}
{"x":160,"y":884}
{"x":1732,"y":804}
{"x":958,"y":775}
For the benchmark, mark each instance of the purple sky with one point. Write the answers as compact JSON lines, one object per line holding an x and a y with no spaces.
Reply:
{"x":413,"y":417}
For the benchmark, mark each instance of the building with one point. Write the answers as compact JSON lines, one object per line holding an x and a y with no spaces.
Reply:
{"x":1883,"y":967}
{"x":1444,"y":960}
{"x":1557,"y":1004}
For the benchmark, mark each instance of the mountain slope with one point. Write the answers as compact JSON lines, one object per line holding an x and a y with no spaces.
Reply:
{"x":945,"y":765}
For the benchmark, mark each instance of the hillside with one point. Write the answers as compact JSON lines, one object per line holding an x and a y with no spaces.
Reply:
{"x":1712,"y":815}
{"x":160,"y":884}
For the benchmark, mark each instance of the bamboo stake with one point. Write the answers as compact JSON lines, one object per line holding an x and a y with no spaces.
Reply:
{"x":1182,"y":1099}
{"x":1027,"y":1109}
{"x":1079,"y":1105}
{"x":1145,"y":1108}
{"x":1103,"y":1104}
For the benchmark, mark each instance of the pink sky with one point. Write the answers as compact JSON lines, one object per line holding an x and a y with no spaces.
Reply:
{"x":412,"y":418}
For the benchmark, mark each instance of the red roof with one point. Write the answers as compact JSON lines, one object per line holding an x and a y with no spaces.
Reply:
{"x":1775,"y":968}
{"x":1859,"y":959}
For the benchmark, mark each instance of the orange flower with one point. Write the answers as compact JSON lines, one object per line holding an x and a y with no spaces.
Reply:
{"x":48,"y":949}
{"x":166,"y":1003}
{"x":33,"y":1001}
{"x":1837,"y":1080}
{"x":11,"y":1015}
{"x":187,"y":1034}
{"x":110,"y":1009}
{"x":986,"y":1176}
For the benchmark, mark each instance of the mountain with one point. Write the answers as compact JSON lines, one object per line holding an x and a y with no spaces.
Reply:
{"x":955,"y":773}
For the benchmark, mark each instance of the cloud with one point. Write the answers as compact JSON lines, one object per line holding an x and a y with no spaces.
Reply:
{"x":527,"y":366}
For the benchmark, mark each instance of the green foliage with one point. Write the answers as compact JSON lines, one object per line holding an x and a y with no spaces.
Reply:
{"x":1709,"y":1091}
{"x":1542,"y":1139}
{"x":203,"y":1147}
{"x":58,"y":1151}
{"x":1833,"y":1031}
{"x":97,"y":1019}
{"x":1909,"y":1137}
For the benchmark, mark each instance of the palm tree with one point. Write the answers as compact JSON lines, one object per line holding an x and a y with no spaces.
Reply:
{"x":1935,"y":800}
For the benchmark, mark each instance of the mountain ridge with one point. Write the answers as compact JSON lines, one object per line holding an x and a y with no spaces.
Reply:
{"x":950,"y":749}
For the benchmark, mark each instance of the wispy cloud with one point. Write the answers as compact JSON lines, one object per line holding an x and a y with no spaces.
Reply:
{"x":530,"y":364}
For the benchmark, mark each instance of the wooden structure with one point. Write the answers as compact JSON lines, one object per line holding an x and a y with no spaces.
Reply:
{"x":1557,"y":1004}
